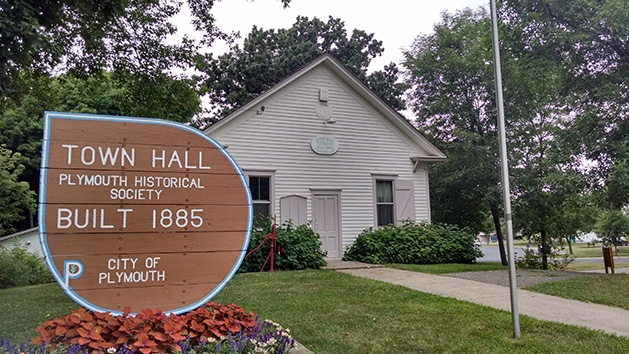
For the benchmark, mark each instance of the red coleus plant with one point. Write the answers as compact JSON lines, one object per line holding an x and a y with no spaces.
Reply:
{"x":216,"y":320}
{"x":146,"y":332}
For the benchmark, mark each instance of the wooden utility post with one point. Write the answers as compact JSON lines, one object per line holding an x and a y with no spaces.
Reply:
{"x":608,"y":259}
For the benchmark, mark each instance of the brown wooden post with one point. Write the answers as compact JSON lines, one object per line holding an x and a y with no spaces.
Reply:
{"x":608,"y":259}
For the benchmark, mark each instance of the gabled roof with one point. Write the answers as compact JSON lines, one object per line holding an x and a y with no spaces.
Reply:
{"x":19,"y":233}
{"x":327,"y":60}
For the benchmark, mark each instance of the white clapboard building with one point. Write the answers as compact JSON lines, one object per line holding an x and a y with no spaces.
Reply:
{"x":321,"y":148}
{"x":28,"y":239}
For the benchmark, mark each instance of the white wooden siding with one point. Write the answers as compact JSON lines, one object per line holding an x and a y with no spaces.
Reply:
{"x":279,"y":139}
{"x":28,"y":238}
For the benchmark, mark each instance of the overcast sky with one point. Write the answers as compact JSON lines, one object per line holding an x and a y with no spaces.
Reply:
{"x":394,"y":22}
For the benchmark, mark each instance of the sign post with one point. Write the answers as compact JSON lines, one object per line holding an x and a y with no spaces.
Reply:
{"x":504,"y":171}
{"x":139,"y":212}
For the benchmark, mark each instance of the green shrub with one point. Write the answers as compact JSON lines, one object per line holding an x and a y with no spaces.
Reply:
{"x":18,"y":267}
{"x":298,"y":247}
{"x":532,"y":260}
{"x":414,"y":244}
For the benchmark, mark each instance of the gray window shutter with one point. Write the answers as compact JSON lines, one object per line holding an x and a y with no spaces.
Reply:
{"x":404,"y":201}
{"x":293,"y":207}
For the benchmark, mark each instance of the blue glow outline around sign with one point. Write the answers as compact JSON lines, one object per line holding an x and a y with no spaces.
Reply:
{"x":48,"y":116}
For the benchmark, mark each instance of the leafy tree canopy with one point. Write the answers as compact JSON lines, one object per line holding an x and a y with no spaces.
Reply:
{"x":450,"y":75}
{"x":16,"y":196}
{"x":88,"y":36}
{"x":613,"y":226}
{"x":617,"y":185}
{"x":591,"y":40}
{"x":269,"y":56}
{"x":130,"y":95}
{"x":95,"y":56}
{"x":85,"y":37}
{"x":591,"y":36}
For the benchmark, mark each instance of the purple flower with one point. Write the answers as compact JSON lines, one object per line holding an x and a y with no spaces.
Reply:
{"x":184,"y":345}
{"x":124,"y":350}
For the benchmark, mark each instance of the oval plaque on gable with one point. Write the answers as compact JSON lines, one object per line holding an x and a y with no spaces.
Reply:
{"x":324,"y":145}
{"x":139,"y":212}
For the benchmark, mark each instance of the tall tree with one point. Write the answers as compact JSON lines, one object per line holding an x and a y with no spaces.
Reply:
{"x":88,"y":36}
{"x":269,"y":56}
{"x":613,"y":227}
{"x":97,"y":56}
{"x":450,"y":73}
{"x":591,"y":40}
{"x":16,"y":196}
{"x":85,"y":37}
{"x":21,"y":124}
{"x":545,"y":170}
{"x":157,"y":96}
{"x":617,"y":185}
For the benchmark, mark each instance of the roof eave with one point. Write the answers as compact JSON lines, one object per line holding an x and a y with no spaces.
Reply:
{"x":429,"y":158}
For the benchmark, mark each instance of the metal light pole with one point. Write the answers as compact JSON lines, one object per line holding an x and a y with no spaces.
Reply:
{"x":506,"y":194}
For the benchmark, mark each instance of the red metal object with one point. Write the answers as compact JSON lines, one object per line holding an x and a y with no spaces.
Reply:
{"x":272,"y":238}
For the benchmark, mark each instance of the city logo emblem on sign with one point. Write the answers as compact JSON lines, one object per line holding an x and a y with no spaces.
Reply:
{"x":139,"y":212}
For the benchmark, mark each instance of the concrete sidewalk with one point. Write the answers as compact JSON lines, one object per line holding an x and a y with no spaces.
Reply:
{"x":544,"y":307}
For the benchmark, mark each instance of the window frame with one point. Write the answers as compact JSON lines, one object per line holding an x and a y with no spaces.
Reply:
{"x":270,"y":174}
{"x":388,"y":178}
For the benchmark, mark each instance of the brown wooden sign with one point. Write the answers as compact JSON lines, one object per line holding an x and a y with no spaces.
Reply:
{"x":139,"y":212}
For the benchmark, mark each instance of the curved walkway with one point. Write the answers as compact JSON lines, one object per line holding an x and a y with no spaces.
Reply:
{"x":544,"y":307}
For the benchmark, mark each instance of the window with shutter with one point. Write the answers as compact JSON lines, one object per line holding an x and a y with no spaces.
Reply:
{"x":394,"y":200}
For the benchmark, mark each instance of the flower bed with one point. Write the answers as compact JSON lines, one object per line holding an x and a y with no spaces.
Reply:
{"x":213,"y":328}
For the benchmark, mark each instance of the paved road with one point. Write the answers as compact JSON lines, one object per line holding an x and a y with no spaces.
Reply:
{"x":492,"y":254}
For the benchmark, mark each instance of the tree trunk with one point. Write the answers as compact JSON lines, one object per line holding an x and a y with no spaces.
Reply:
{"x":545,"y":250}
{"x":569,"y":244}
{"x":501,"y":246}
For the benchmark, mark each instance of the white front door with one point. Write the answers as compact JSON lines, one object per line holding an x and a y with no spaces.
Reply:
{"x":326,"y":217}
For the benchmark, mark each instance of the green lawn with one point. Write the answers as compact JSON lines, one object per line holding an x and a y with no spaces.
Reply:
{"x":605,"y":289}
{"x":22,"y":309}
{"x":449,"y":267}
{"x":484,"y":266}
{"x":581,"y":250}
{"x":578,"y":266}
{"x":332,"y":312}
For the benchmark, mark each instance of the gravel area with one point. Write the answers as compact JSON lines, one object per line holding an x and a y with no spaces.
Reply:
{"x":524,"y":278}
